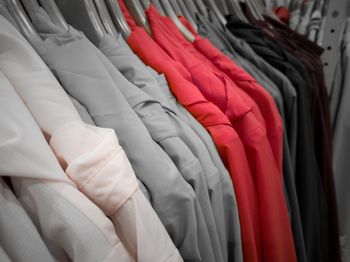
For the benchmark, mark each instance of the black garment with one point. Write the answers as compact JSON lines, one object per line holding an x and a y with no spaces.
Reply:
{"x":313,"y":208}
{"x":309,"y":54}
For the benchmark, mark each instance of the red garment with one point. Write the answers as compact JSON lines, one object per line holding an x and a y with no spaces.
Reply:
{"x":225,"y":137}
{"x":277,"y":241}
{"x":282,"y":13}
{"x":266,"y":104}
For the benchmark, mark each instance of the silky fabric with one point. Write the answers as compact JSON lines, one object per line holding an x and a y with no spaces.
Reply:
{"x":231,"y":210}
{"x":339,"y":100}
{"x":72,"y":227}
{"x":171,"y":197}
{"x":309,"y":187}
{"x":163,"y":132}
{"x":246,"y":120}
{"x":19,"y":238}
{"x":153,"y":110}
{"x":225,"y":138}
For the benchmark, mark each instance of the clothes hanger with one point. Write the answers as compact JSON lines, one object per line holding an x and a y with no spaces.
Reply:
{"x":83,"y":16}
{"x":170,"y":13}
{"x":212,"y":5}
{"x":118,"y":18}
{"x":176,"y":7}
{"x":203,"y":9}
{"x":158,"y":6}
{"x":255,"y":9}
{"x":187,"y":14}
{"x":222,"y":6}
{"x":106,"y":18}
{"x":136,"y":10}
{"x":23,"y":22}
{"x":235,"y":9}
{"x":54,"y":13}
{"x":145,"y":4}
{"x":191,"y":7}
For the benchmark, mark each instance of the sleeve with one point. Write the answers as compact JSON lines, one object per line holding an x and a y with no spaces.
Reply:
{"x":102,"y":171}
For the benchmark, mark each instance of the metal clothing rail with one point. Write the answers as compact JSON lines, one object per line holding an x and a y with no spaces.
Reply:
{"x":338,"y":11}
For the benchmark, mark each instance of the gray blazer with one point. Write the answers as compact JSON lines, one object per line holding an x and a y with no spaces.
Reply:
{"x":77,"y":65}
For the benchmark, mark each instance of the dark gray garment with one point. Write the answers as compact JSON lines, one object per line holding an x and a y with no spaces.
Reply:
{"x":230,"y":204}
{"x":73,"y":60}
{"x":215,"y":33}
{"x":167,"y":135}
{"x":18,"y":236}
{"x":85,"y":116}
{"x":341,"y":141}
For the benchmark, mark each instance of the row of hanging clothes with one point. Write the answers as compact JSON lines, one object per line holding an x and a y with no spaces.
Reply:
{"x":163,"y":130}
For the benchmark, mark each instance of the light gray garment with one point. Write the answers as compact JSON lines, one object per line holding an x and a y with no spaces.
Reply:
{"x":166,"y":134}
{"x":341,"y":141}
{"x":136,"y":72}
{"x":3,"y":256}
{"x":85,"y":116}
{"x":231,"y":210}
{"x":74,"y":62}
{"x":71,"y":226}
{"x":18,"y":236}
